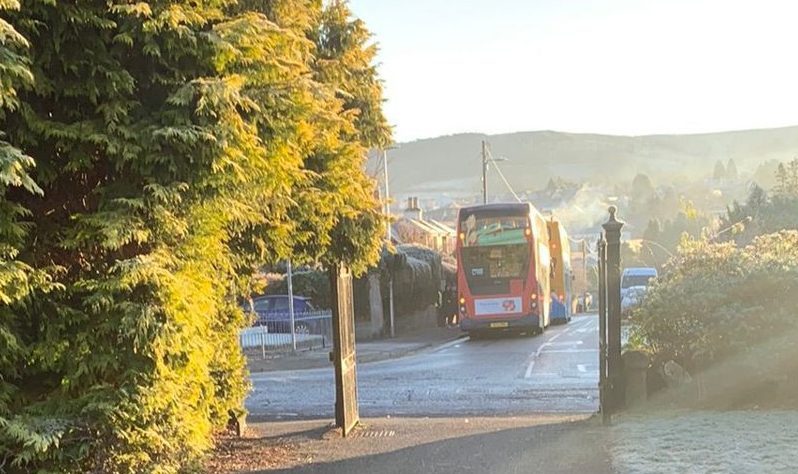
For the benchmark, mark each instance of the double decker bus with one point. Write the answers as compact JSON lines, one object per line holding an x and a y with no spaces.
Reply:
{"x":561,"y":273}
{"x":503,"y":276}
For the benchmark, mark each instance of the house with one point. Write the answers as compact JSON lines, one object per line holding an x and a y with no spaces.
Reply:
{"x":413,"y":228}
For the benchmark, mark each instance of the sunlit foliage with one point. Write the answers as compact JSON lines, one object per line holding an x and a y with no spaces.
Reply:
{"x":154,"y":154}
{"x":763,"y":212}
{"x":717,"y":299}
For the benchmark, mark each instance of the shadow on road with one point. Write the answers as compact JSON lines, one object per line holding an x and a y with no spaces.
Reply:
{"x":568,"y":447}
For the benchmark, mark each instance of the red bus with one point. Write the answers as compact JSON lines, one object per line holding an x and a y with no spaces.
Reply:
{"x":503,"y":263}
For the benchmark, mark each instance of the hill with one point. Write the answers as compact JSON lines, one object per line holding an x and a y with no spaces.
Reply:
{"x":451,"y":165}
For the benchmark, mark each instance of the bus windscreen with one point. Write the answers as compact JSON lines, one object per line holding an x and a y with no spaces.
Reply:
{"x":495,"y":250}
{"x":490,"y":230}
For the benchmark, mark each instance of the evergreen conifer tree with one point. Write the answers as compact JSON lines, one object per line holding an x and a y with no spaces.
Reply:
{"x":177,"y":146}
{"x":719,"y":173}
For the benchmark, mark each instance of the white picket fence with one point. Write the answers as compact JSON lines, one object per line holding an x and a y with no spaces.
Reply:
{"x":273,"y":333}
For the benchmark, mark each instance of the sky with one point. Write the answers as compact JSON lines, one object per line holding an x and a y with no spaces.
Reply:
{"x":626,"y":67}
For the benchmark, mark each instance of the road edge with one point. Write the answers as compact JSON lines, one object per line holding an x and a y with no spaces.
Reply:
{"x":368,"y":359}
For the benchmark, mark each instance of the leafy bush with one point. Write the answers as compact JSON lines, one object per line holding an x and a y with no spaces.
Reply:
{"x":417,"y":282}
{"x":716,"y":299}
{"x":426,"y":255}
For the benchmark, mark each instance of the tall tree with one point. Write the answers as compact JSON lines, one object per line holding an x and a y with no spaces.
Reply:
{"x":731,"y":170}
{"x":177,"y":145}
{"x":653,"y":230}
{"x":719,"y":173}
{"x":642,"y":187}
{"x":765,"y":174}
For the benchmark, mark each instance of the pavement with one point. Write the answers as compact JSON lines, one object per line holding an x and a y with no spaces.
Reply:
{"x":408,"y":343}
{"x":542,"y":443}
{"x":511,"y":405}
{"x":556,"y":372}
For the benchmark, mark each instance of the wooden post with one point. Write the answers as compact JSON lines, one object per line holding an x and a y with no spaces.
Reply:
{"x":343,"y":355}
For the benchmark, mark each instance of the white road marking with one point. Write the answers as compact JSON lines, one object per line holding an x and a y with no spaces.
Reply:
{"x":528,"y":372}
{"x":534,"y":357}
{"x":563,"y":343}
{"x":585,"y":326}
{"x":540,"y":349}
{"x":570,"y":351}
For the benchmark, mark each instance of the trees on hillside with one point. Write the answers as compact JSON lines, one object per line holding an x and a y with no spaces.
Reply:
{"x":177,"y":146}
{"x":764,"y":175}
{"x":642,"y":187}
{"x":731,"y":170}
{"x":767,"y":212}
{"x":719,"y":172}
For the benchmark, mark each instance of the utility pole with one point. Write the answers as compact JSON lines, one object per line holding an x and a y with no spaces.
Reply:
{"x":484,"y":172}
{"x":388,"y":240}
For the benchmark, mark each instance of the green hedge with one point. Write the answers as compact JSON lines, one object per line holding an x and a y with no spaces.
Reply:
{"x":174,"y":146}
{"x":717,"y":300}
{"x":417,"y":282}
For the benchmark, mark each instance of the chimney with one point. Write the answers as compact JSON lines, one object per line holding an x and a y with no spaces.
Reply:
{"x":413,"y":211}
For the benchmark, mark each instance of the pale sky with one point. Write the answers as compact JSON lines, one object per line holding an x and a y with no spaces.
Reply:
{"x":626,"y":67}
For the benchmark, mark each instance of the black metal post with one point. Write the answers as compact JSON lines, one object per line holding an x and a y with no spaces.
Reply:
{"x":602,"y":315}
{"x":612,"y":231}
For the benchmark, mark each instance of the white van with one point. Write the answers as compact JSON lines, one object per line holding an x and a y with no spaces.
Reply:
{"x":634,"y":283}
{"x":637,"y":277}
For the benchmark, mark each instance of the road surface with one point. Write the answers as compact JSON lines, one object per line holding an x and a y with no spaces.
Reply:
{"x":513,"y":375}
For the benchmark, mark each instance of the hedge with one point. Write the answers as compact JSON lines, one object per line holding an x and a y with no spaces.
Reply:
{"x":718,"y":300}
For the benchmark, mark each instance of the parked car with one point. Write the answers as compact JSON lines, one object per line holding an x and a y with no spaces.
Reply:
{"x":273,"y":312}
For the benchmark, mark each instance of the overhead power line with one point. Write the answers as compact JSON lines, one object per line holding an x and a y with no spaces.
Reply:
{"x":501,"y":175}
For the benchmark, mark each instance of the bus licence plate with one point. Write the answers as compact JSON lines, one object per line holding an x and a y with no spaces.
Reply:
{"x":499,"y":325}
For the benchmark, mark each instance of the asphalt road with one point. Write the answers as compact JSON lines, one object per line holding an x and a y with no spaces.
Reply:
{"x":512,"y":375}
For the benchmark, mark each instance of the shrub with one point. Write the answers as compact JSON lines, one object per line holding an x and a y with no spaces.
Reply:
{"x":417,"y":282}
{"x":717,"y":300}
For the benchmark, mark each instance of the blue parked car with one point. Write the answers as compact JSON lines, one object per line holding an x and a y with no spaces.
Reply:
{"x":272,"y":311}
